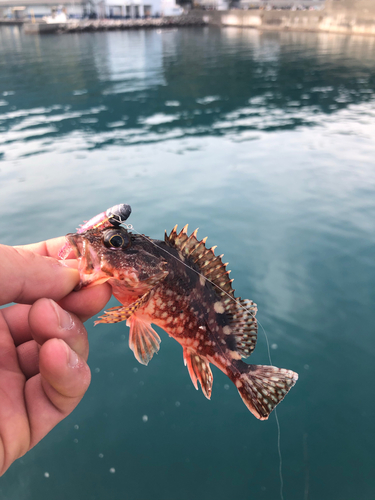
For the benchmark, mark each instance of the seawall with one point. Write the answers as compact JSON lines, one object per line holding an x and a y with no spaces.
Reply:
{"x":79,"y":26}
{"x":347,"y":22}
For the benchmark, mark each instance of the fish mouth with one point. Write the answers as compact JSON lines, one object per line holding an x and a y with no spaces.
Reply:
{"x":76,"y":244}
{"x":89,"y":262}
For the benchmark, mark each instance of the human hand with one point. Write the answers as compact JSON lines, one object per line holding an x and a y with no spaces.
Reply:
{"x":43,"y":348}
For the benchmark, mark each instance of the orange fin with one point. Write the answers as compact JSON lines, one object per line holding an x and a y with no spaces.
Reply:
{"x":122,"y":313}
{"x":263,"y":387}
{"x":199,"y":369}
{"x":143,"y":340}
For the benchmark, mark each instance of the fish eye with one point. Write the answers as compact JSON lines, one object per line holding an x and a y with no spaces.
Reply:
{"x":116,"y":239}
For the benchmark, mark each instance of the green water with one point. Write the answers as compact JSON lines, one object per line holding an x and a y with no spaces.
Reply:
{"x":266,"y":142}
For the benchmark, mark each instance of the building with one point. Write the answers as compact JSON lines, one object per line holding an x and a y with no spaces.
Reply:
{"x":131,"y":9}
{"x":28,"y":9}
{"x":212,"y":4}
{"x":259,"y":4}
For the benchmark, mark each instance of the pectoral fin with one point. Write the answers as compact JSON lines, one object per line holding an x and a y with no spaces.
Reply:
{"x":199,"y":369}
{"x":122,"y":313}
{"x":143,"y":340}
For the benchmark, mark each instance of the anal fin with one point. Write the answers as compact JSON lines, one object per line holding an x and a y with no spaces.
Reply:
{"x":143,"y":340}
{"x":199,"y":369}
{"x":122,"y":313}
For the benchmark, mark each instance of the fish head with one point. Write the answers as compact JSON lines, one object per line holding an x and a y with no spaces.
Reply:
{"x":116,"y":255}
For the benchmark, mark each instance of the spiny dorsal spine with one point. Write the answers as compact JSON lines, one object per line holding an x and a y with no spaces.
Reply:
{"x":241,"y":313}
{"x":209,"y":264}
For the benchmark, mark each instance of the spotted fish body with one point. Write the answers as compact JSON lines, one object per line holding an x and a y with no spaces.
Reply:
{"x":181,"y":286}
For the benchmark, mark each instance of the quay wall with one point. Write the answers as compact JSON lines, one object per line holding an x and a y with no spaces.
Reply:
{"x":327,"y":20}
{"x":338,"y":16}
{"x":358,"y":8}
{"x":79,"y":26}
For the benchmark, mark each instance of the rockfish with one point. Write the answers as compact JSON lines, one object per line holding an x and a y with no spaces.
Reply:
{"x":181,"y":286}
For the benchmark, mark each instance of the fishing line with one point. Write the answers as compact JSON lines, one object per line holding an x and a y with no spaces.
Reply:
{"x":277,"y":423}
{"x":131,"y":228}
{"x":280,"y":457}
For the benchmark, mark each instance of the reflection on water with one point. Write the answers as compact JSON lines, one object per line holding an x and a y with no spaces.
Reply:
{"x":119,"y":90}
{"x":265,"y":141}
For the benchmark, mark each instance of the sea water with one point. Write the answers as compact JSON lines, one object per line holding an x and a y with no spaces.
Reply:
{"x":266,"y":142}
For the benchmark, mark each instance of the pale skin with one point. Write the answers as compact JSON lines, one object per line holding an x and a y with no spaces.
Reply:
{"x":43,"y":347}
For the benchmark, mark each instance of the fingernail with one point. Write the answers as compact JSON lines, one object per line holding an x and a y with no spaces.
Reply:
{"x":73,"y":359}
{"x":63,"y":317}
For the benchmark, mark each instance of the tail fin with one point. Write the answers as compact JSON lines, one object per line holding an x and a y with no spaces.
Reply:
{"x":263,"y":387}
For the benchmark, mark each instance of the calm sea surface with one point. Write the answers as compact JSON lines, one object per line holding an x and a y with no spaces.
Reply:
{"x":266,"y":142}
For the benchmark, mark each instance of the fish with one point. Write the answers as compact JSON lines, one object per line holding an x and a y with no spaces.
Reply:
{"x":181,"y":286}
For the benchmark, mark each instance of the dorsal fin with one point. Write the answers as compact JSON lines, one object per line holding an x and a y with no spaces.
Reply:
{"x":241,"y":312}
{"x":244,"y":326}
{"x":210,"y":265}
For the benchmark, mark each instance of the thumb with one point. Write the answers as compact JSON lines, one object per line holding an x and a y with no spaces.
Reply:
{"x":27,"y":276}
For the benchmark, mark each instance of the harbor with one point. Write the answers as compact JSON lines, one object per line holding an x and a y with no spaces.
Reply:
{"x":332,"y":16}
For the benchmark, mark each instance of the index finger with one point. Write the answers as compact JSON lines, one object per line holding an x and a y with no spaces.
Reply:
{"x":28,"y":276}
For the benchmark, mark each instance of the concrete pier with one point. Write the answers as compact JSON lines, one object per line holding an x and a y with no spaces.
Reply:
{"x":77,"y":26}
{"x":338,"y":16}
{"x":354,"y":17}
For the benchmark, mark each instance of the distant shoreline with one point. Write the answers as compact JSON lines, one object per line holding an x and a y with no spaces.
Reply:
{"x":304,"y":21}
{"x":93,"y":25}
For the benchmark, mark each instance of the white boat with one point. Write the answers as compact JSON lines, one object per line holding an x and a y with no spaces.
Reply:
{"x":57,"y":17}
